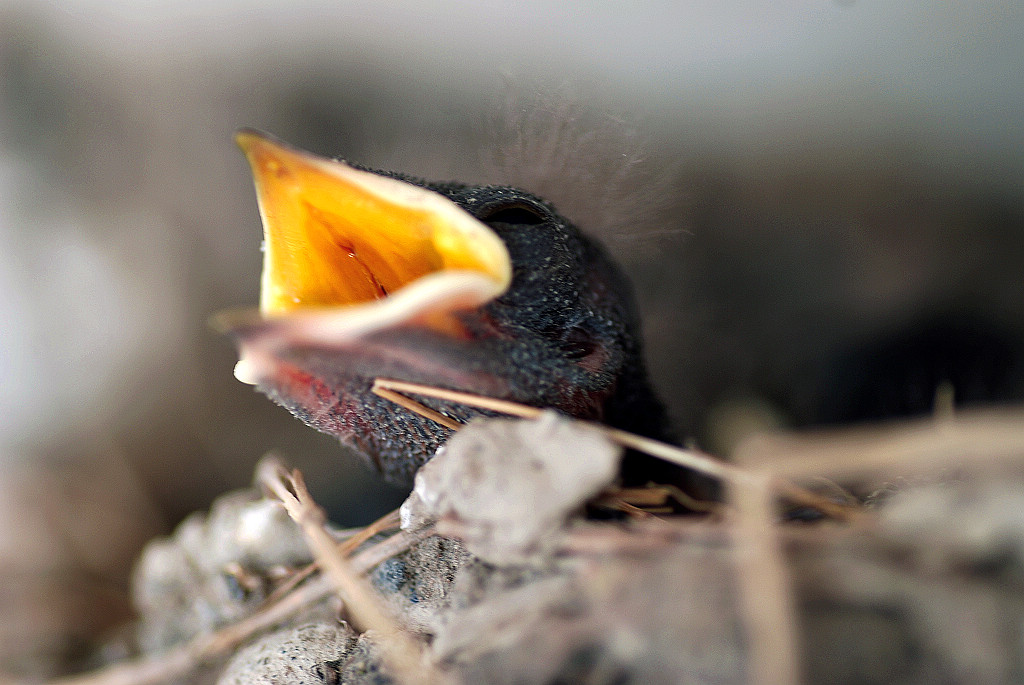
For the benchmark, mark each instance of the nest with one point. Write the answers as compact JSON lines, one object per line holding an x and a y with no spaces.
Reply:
{"x":890,"y":554}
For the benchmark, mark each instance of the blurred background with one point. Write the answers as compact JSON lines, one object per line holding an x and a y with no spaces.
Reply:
{"x":820,"y":204}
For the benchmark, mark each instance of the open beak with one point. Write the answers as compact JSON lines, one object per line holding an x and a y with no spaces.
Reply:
{"x":348,"y":253}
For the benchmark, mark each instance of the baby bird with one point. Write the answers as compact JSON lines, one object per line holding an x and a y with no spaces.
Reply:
{"x":483,"y":289}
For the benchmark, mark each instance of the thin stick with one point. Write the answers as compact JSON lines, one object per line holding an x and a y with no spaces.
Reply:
{"x":632,"y":511}
{"x":978,"y":437}
{"x":841,"y":511}
{"x":416,"y":407}
{"x":638,"y":497}
{"x":677,"y":455}
{"x":691,"y":503}
{"x":765,"y":597}
{"x":388,"y":521}
{"x":403,"y":657}
{"x":479,"y":401}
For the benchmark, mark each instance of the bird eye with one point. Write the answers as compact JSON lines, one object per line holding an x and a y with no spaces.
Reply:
{"x":577,"y":343}
{"x":520,"y":214}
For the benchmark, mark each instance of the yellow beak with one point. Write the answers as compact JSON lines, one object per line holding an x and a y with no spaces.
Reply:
{"x":337,"y":237}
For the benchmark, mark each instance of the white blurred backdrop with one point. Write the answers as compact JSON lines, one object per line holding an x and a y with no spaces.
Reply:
{"x":820,"y":203}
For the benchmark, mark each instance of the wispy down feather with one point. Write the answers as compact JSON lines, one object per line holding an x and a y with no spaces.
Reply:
{"x":597,"y":168}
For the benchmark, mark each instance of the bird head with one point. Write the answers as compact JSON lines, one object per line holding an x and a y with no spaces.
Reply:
{"x":483,"y":289}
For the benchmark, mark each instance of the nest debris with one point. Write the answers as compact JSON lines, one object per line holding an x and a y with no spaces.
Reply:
{"x":497,"y":574}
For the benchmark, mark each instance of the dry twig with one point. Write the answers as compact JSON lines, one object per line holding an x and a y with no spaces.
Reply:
{"x":988,"y":437}
{"x":349,"y":545}
{"x":765,"y":598}
{"x":403,"y":657}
